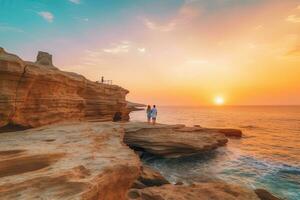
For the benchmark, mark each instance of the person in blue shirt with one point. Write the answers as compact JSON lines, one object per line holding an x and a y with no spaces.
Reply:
{"x":153,"y":114}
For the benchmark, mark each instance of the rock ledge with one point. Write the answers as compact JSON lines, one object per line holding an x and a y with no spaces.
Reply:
{"x":67,"y":161}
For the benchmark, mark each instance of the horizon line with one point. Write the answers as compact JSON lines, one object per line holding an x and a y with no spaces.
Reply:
{"x":247,"y":105}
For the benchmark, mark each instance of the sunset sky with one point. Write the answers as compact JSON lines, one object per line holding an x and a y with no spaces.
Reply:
{"x":167,"y":52}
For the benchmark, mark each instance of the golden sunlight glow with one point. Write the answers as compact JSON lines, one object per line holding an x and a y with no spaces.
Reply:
{"x":219,"y":100}
{"x":238,"y":65}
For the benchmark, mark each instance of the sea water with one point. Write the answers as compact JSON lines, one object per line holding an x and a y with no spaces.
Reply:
{"x":267,"y":156}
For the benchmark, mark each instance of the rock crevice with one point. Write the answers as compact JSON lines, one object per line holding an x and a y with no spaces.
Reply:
{"x":16,"y":93}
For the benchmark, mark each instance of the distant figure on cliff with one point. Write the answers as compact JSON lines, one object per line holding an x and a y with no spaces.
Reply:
{"x":154,"y":114}
{"x":117,"y":117}
{"x":148,"y":111}
{"x":102,"y":79}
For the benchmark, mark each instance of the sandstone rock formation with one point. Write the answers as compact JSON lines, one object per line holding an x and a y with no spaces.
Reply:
{"x":199,"y":191}
{"x":170,"y":141}
{"x":44,"y":58}
{"x":135,"y":106}
{"x":88,"y":160}
{"x":67,"y":161}
{"x":35,"y":94}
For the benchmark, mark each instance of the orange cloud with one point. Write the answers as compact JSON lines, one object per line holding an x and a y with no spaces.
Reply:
{"x":293,"y":18}
{"x":295,"y":51}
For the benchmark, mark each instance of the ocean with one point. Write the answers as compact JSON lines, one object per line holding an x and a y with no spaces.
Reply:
{"x":267,"y":156}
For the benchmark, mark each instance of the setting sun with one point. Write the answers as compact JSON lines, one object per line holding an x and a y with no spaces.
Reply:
{"x":219,"y":100}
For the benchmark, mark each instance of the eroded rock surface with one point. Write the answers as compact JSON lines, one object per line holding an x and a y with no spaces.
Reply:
{"x":171,"y":140}
{"x":199,"y":191}
{"x":36,"y":94}
{"x":135,"y":106}
{"x":149,"y":177}
{"x":67,"y":161}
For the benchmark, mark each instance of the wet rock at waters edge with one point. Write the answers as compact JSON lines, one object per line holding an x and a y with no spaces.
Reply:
{"x":199,"y":191}
{"x":231,"y":132}
{"x":138,"y":185}
{"x":170,"y":141}
{"x":265,"y":195}
{"x":67,"y":161}
{"x":149,"y":177}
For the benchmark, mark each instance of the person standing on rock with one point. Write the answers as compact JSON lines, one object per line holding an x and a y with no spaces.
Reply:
{"x":148,"y":111}
{"x":154,"y":114}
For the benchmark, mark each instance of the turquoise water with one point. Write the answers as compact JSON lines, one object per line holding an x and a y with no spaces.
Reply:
{"x":268,"y":155}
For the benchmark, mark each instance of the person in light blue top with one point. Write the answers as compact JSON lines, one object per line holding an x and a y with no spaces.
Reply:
{"x":148,"y":111}
{"x":153,"y":114}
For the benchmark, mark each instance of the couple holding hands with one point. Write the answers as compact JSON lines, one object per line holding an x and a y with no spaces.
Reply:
{"x":151,"y":114}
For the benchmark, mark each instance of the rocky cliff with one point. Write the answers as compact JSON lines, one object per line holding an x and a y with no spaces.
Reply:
{"x":37,"y":93}
{"x":89,"y":161}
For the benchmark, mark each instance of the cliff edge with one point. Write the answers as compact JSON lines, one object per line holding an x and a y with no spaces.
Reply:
{"x":37,"y":93}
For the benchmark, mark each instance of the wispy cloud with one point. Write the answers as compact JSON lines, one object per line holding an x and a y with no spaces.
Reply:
{"x":259,"y":27}
{"x":99,"y":56}
{"x":92,"y":57}
{"x":293,"y":19}
{"x":85,"y":19}
{"x":48,"y":16}
{"x":295,"y":51}
{"x":251,"y":45}
{"x":185,"y":14}
{"x":160,"y":27}
{"x":188,"y":12}
{"x":196,"y":61}
{"x":122,"y":47}
{"x":6,"y":28}
{"x":75,"y":1}
{"x":141,"y":50}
